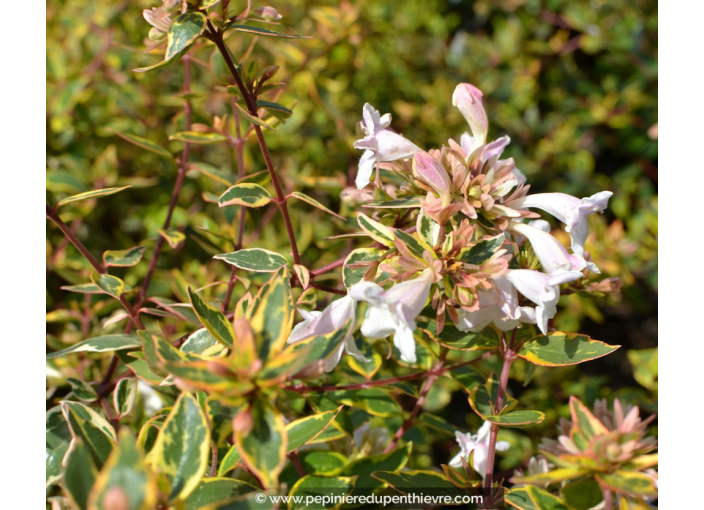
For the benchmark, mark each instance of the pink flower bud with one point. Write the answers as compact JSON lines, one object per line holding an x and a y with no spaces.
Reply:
{"x":468,"y":99}
{"x":433,"y":174}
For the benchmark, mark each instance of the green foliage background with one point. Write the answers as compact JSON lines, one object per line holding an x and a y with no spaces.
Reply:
{"x":573,"y":83}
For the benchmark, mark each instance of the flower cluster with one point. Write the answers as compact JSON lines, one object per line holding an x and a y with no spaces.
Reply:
{"x":475,"y":244}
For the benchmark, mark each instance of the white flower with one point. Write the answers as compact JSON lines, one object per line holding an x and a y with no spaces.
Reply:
{"x":570,"y":210}
{"x":331,"y":319}
{"x":552,"y":255}
{"x":393,"y":311}
{"x":543,"y":290}
{"x":498,"y":305}
{"x":479,"y":444}
{"x":380,"y":144}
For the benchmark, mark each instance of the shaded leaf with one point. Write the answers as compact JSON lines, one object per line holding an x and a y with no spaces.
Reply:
{"x":247,"y":194}
{"x":124,"y":396}
{"x":216,"y":490}
{"x":95,"y":431}
{"x":145,"y":144}
{"x":183,"y":32}
{"x":307,"y":429}
{"x":315,"y":203}
{"x":123,"y":258}
{"x":79,"y":475}
{"x":312,"y":486}
{"x":96,"y":193}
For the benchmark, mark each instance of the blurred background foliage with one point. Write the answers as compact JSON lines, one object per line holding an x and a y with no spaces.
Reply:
{"x":573,"y":83}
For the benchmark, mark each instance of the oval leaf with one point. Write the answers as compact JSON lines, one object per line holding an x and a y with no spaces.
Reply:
{"x":315,"y":203}
{"x":105,"y":343}
{"x":247,"y":194}
{"x":558,"y":349}
{"x":254,"y":259}
{"x":263,"y":448}
{"x":307,"y":429}
{"x":145,"y":144}
{"x":109,"y":284}
{"x":79,"y":475}
{"x":123,"y":258}
{"x":182,"y":449}
{"x":198,"y":137}
{"x":124,"y":396}
{"x":380,"y":233}
{"x":183,"y":32}
{"x":213,"y":319}
{"x":95,"y":431}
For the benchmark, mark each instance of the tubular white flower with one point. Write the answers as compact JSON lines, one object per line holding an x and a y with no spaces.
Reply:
{"x":331,"y":319}
{"x":498,"y":306}
{"x":552,"y":255}
{"x":393,"y":312}
{"x":542,"y":289}
{"x":479,"y":444}
{"x":571,"y":211}
{"x":379,"y":143}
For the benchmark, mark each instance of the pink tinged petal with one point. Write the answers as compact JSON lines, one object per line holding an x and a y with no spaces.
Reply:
{"x":366,"y":168}
{"x":331,"y":319}
{"x":304,"y":329}
{"x":432,"y":173}
{"x":368,"y":292}
{"x":467,"y":143}
{"x":540,"y":225}
{"x":550,"y":252}
{"x":479,"y":319}
{"x":496,"y":148}
{"x":412,"y":295}
{"x":392,"y":146}
{"x":371,"y":119}
{"x":468,"y":99}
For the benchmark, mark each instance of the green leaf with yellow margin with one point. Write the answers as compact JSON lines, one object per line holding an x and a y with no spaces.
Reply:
{"x":399,"y":203}
{"x":254,"y":259}
{"x":264,"y":31}
{"x":582,"y":494}
{"x":198,"y":137}
{"x":213,"y":319}
{"x":318,"y":486}
{"x":229,"y":461}
{"x":410,"y":481}
{"x":556,"y":475}
{"x":264,"y":447}
{"x":182,"y":449}
{"x":517,"y":419}
{"x":543,"y":500}
{"x":373,"y":400}
{"x":106,"y":343}
{"x":271,"y":314}
{"x":453,"y":338}
{"x":279,"y":111}
{"x":58,"y":437}
{"x":82,"y":390}
{"x":481,"y":251}
{"x":216,"y":490}
{"x":380,"y":233}
{"x":123,"y":258}
{"x":95,"y":431}
{"x":124,"y":396}
{"x":201,"y":342}
{"x":172,"y":236}
{"x":364,"y":468}
{"x":87,"y":195}
{"x":145,"y":144}
{"x":417,"y":246}
{"x":352,"y":275}
{"x":80,"y":474}
{"x":247,"y":194}
{"x":518,"y":498}
{"x":628,"y":483}
{"x":110,"y":285}
{"x":315,"y":203}
{"x":428,"y":229}
{"x":254,"y":120}
{"x":483,"y":397}
{"x":558,"y":349}
{"x":125,"y":477}
{"x":183,"y":32}
{"x":304,"y":430}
